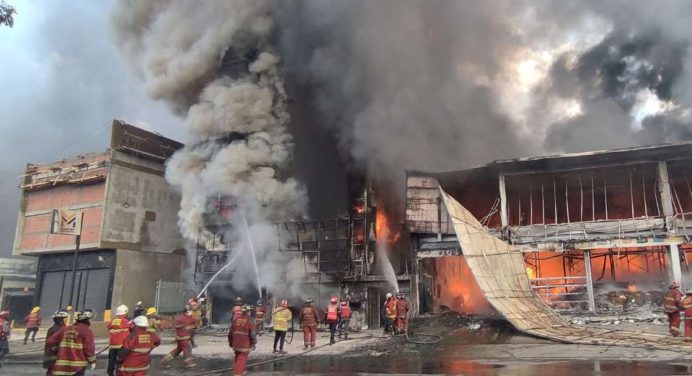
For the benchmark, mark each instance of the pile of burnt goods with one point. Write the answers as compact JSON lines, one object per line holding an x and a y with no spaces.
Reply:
{"x":621,"y":301}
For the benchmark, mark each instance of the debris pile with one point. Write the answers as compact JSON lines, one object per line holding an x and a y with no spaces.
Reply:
{"x":621,"y":301}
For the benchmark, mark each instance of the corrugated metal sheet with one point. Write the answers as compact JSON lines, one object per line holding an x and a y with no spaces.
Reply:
{"x":500,"y":272}
{"x":171,"y":297}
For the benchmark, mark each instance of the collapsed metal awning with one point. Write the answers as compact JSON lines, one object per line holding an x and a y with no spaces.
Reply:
{"x":500,"y":272}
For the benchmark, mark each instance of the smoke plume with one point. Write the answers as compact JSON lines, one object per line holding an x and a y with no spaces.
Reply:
{"x":213,"y":62}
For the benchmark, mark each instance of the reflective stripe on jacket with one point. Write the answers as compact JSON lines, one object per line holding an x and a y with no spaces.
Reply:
{"x":331,"y":313}
{"x":401,"y":308}
{"x":308,"y":316}
{"x":119,"y":329}
{"x":241,"y":335}
{"x":136,"y":348}
{"x":345,"y":312}
{"x":282,"y":316}
{"x":184,"y":326}
{"x":32,"y":320}
{"x":76,"y":348}
{"x":672,"y":301}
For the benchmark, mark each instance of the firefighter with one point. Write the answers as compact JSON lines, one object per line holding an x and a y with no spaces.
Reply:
{"x":260,"y":312}
{"x":687,"y":309}
{"x":402,"y":308}
{"x":309,"y":319}
{"x":32,"y":322}
{"x":345,"y":321}
{"x":184,"y":325}
{"x":49,"y":355}
{"x":139,"y":310}
{"x":154,"y":321}
{"x":389,"y":313}
{"x":134,"y":358}
{"x":332,"y":317}
{"x":237,"y":308}
{"x":672,"y":302}
{"x":118,"y":329}
{"x":197,"y":315}
{"x":281,"y":317}
{"x":4,"y":334}
{"x":75,"y":347}
{"x":241,"y":337}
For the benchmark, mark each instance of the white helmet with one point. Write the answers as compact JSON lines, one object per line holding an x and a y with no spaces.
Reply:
{"x":388,"y":295}
{"x":141,"y":321}
{"x":121,"y":310}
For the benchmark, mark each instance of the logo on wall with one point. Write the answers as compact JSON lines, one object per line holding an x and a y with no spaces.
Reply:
{"x":66,"y":222}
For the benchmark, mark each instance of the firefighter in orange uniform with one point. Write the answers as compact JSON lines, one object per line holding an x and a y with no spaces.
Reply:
{"x":134,"y":358}
{"x":260,"y":313}
{"x":687,"y":309}
{"x":184,"y":325}
{"x":308,"y":318}
{"x":241,"y":337}
{"x":345,"y":320}
{"x":49,"y":355}
{"x":32,"y":322}
{"x":672,"y":302}
{"x":118,"y":329}
{"x":332,"y":317}
{"x":237,"y":308}
{"x":402,"y":308}
{"x":389,"y":313}
{"x":75,"y":347}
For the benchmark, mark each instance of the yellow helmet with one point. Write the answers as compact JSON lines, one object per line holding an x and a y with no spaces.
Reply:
{"x":35,"y":309}
{"x":151,"y":311}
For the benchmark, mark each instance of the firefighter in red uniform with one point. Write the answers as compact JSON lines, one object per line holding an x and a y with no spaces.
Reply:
{"x":687,"y":309}
{"x":4,"y":334}
{"x":389,"y":313}
{"x":133,"y":358}
{"x":345,"y":321}
{"x":118,"y":329}
{"x":237,"y":308}
{"x":331,"y":317}
{"x":32,"y":322}
{"x":260,"y":313}
{"x":184,"y":325}
{"x":308,"y":318}
{"x":241,"y":337}
{"x":672,"y":302}
{"x":75,"y":347}
{"x":402,"y":308}
{"x":49,"y":355}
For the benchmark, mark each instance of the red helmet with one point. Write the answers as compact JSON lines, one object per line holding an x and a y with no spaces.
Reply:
{"x":284,"y":303}
{"x":4,"y":314}
{"x":344,"y":303}
{"x":334,"y":299}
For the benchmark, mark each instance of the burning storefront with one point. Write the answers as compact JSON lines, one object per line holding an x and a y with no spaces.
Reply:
{"x":588,"y":224}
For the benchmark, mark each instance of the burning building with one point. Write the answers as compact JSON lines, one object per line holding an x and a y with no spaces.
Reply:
{"x":129,"y":235}
{"x":583,"y":221}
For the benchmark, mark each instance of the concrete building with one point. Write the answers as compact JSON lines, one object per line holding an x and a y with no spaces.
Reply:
{"x":618,"y":218}
{"x":129,"y":238}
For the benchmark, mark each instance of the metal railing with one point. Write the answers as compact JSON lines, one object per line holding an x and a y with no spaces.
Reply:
{"x":556,"y":290}
{"x":171,"y":297}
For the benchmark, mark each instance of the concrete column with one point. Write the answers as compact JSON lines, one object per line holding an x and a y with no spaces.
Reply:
{"x":503,"y":202}
{"x":665,"y":196}
{"x":589,"y":280}
{"x":675,"y":270}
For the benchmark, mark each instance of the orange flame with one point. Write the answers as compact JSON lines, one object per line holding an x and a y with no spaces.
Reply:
{"x":383,"y":230}
{"x":632,"y":288}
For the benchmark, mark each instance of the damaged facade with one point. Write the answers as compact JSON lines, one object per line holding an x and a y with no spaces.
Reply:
{"x":129,"y":234}
{"x":585,"y":222}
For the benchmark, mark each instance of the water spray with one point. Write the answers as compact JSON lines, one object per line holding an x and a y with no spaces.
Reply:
{"x":254,"y":255}
{"x":229,"y":263}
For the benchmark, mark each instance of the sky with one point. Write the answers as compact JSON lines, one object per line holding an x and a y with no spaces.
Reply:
{"x":63,"y":82}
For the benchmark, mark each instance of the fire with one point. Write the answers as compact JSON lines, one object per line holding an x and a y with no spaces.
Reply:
{"x":383,"y":230}
{"x":530,"y":272}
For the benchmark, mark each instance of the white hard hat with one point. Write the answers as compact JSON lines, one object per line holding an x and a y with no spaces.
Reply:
{"x":388,"y":295}
{"x":141,"y":321}
{"x":121,"y":310}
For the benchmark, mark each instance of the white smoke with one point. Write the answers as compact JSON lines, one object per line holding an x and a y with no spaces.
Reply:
{"x":238,"y":146}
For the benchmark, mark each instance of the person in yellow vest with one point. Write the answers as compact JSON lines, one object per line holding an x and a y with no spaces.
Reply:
{"x":154,"y":321}
{"x":281,"y":317}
